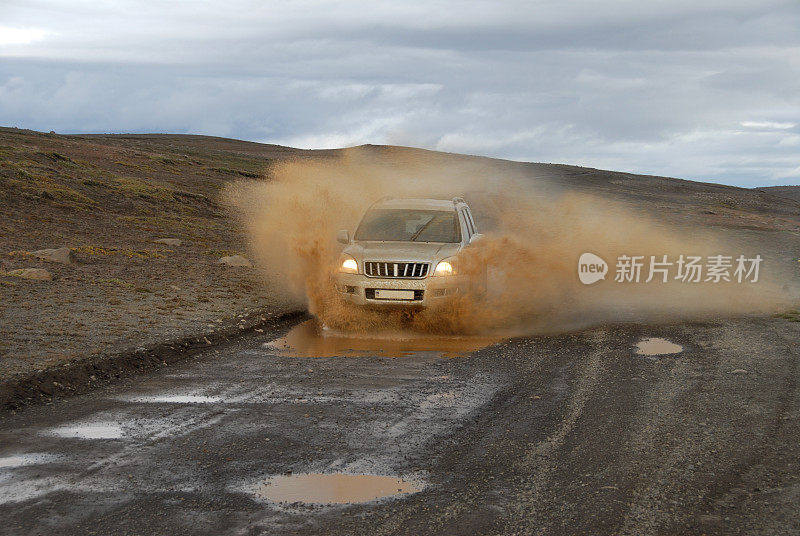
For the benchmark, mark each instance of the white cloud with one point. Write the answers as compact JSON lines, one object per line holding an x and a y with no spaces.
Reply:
{"x":20,"y":36}
{"x":707,"y":90}
{"x":768,"y":125}
{"x":377,"y":128}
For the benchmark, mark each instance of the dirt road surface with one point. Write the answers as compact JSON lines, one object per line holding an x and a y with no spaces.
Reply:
{"x":571,"y":434}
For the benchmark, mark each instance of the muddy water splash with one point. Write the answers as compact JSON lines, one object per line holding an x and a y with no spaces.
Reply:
{"x":309,"y":339}
{"x":534,"y":235}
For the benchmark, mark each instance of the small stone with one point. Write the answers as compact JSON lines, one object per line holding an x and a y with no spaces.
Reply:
{"x":169,"y":241}
{"x":235,"y":260}
{"x":60,"y":255}
{"x":38,"y":274}
{"x":739,"y":371}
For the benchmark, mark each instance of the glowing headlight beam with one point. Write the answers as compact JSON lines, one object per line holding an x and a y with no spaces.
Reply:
{"x":443,"y":268}
{"x":349,"y":266}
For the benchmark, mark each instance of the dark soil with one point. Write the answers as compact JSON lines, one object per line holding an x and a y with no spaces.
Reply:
{"x":109,"y":197}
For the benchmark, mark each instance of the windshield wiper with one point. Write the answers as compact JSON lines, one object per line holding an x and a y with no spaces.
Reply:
{"x":419,"y":231}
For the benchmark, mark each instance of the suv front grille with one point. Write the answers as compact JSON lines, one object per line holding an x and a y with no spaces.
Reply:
{"x":405,"y":270}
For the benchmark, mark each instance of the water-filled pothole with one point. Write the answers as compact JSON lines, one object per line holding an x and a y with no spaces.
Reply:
{"x":100,"y":430}
{"x":22,"y":460}
{"x":309,"y":339}
{"x":656,"y":346}
{"x":176,"y":399}
{"x":337,"y":488}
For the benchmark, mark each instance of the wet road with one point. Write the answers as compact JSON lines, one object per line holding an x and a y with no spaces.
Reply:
{"x":575,"y":434}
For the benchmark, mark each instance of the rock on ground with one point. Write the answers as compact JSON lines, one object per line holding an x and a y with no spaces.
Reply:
{"x":169,"y":241}
{"x":61,"y":255}
{"x":39,"y":274}
{"x":235,"y":260}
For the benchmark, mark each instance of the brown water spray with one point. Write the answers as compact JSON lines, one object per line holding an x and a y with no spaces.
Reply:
{"x":534,"y":235}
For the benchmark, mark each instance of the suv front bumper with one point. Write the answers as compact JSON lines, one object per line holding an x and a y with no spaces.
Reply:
{"x":360,"y":289}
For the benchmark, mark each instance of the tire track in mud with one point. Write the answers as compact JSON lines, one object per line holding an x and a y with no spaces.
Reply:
{"x":695,"y":484}
{"x":458,"y":513}
{"x":586,"y":436}
{"x":569,"y":434}
{"x":536,"y":408}
{"x":540,"y":459}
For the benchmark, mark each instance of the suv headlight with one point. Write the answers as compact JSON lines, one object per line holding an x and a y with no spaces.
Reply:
{"x":445,"y":267}
{"x":348,"y":264}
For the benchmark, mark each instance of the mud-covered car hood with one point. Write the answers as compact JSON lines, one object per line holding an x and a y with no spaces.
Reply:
{"x":401,"y":251}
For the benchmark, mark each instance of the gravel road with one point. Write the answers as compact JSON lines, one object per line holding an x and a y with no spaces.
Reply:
{"x":572,"y":434}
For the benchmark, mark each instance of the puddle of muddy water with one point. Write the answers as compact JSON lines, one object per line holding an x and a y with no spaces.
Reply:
{"x":102,"y":430}
{"x":656,"y":346}
{"x":320,"y":488}
{"x":176,"y":399}
{"x":22,"y":460}
{"x":309,"y":339}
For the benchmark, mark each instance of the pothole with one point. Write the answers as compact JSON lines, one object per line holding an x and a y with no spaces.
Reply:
{"x":22,"y":460}
{"x":337,"y":488}
{"x":309,"y":339}
{"x":176,"y":399}
{"x":656,"y":346}
{"x":104,"y":430}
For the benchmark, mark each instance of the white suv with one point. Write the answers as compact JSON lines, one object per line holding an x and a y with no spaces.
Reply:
{"x":403,"y":252}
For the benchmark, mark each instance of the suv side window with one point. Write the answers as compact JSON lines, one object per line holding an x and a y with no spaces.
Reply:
{"x":472,"y":221}
{"x":468,"y":219}
{"x":463,"y":218}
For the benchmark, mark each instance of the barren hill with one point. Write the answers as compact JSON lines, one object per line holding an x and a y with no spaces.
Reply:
{"x":110,"y":197}
{"x":789,"y":192}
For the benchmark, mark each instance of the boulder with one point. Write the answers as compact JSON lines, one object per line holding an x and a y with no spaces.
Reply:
{"x":235,"y":260}
{"x":61,"y":255}
{"x":39,"y":274}
{"x":169,"y":241}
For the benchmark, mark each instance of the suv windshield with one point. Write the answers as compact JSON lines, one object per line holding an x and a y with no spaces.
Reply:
{"x":405,"y":225}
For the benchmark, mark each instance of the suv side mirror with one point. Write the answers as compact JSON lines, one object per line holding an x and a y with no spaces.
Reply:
{"x":474,"y":238}
{"x":343,"y":236}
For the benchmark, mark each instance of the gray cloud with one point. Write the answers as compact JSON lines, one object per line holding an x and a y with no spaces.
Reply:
{"x":704,"y":90}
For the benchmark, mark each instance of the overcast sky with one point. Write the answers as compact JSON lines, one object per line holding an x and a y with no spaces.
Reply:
{"x":698,"y":89}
